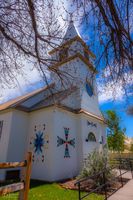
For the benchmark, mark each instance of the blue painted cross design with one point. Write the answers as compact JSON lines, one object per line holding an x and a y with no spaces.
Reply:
{"x":66,"y":142}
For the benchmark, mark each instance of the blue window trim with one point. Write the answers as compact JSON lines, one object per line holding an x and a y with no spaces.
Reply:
{"x":89,"y":89}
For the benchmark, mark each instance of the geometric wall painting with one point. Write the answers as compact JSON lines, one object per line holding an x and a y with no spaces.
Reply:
{"x":38,"y":143}
{"x":91,"y":124}
{"x":66,"y":142}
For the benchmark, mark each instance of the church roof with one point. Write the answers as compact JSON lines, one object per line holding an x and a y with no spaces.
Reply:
{"x":15,"y":102}
{"x":50,"y":101}
{"x":54,"y":99}
{"x":71,"y":32}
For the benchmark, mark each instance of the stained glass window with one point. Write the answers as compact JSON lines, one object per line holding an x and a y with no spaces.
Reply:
{"x":1,"y":126}
{"x":91,"y":137}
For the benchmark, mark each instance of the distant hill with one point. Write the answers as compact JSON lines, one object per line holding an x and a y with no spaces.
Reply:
{"x":128,"y":142}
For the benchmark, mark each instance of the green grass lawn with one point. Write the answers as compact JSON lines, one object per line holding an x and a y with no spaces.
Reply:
{"x":44,"y":191}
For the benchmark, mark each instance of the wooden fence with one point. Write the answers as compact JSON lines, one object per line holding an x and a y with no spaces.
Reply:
{"x":120,"y":155}
{"x":24,"y":184}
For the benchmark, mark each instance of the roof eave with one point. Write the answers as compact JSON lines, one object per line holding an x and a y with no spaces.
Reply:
{"x":77,"y":55}
{"x":17,"y":103}
{"x":67,"y":43}
{"x":75,"y":111}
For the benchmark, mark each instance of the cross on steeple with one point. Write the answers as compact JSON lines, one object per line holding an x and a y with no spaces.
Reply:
{"x":71,"y":17}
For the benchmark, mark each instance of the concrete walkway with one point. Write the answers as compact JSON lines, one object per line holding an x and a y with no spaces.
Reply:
{"x":126,"y":192}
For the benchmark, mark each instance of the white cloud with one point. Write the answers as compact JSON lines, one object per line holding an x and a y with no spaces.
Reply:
{"x":113,"y":90}
{"x":108,"y":93}
{"x":24,"y":84}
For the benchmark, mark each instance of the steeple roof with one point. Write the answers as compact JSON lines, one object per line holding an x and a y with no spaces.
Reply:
{"x":71,"y":36}
{"x":71,"y":32}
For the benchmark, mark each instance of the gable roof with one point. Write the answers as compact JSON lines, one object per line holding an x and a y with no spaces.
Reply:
{"x":54,"y":98}
{"x":15,"y":102}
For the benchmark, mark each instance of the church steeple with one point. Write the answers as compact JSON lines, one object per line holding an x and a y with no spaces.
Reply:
{"x":71,"y":32}
{"x":72,"y":44}
{"x":74,"y":60}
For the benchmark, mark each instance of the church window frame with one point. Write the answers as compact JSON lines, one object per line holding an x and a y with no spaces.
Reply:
{"x":1,"y":127}
{"x":91,"y":137}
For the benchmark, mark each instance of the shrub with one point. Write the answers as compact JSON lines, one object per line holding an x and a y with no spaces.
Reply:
{"x":95,"y":163}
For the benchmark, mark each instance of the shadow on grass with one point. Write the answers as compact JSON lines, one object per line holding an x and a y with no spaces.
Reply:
{"x":35,"y":183}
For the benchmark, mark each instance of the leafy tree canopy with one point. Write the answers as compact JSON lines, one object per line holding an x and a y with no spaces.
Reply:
{"x":116,"y":135}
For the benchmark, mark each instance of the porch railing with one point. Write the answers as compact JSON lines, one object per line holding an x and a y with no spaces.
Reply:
{"x":118,"y":164}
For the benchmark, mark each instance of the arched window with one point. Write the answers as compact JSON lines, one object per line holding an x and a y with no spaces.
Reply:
{"x":91,"y":137}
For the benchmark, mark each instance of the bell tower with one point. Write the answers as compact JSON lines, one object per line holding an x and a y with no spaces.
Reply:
{"x":74,"y":64}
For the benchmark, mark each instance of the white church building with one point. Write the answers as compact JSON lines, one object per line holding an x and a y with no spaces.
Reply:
{"x":60,"y":123}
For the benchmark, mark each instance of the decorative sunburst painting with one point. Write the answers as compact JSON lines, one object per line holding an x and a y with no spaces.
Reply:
{"x":38,"y":143}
